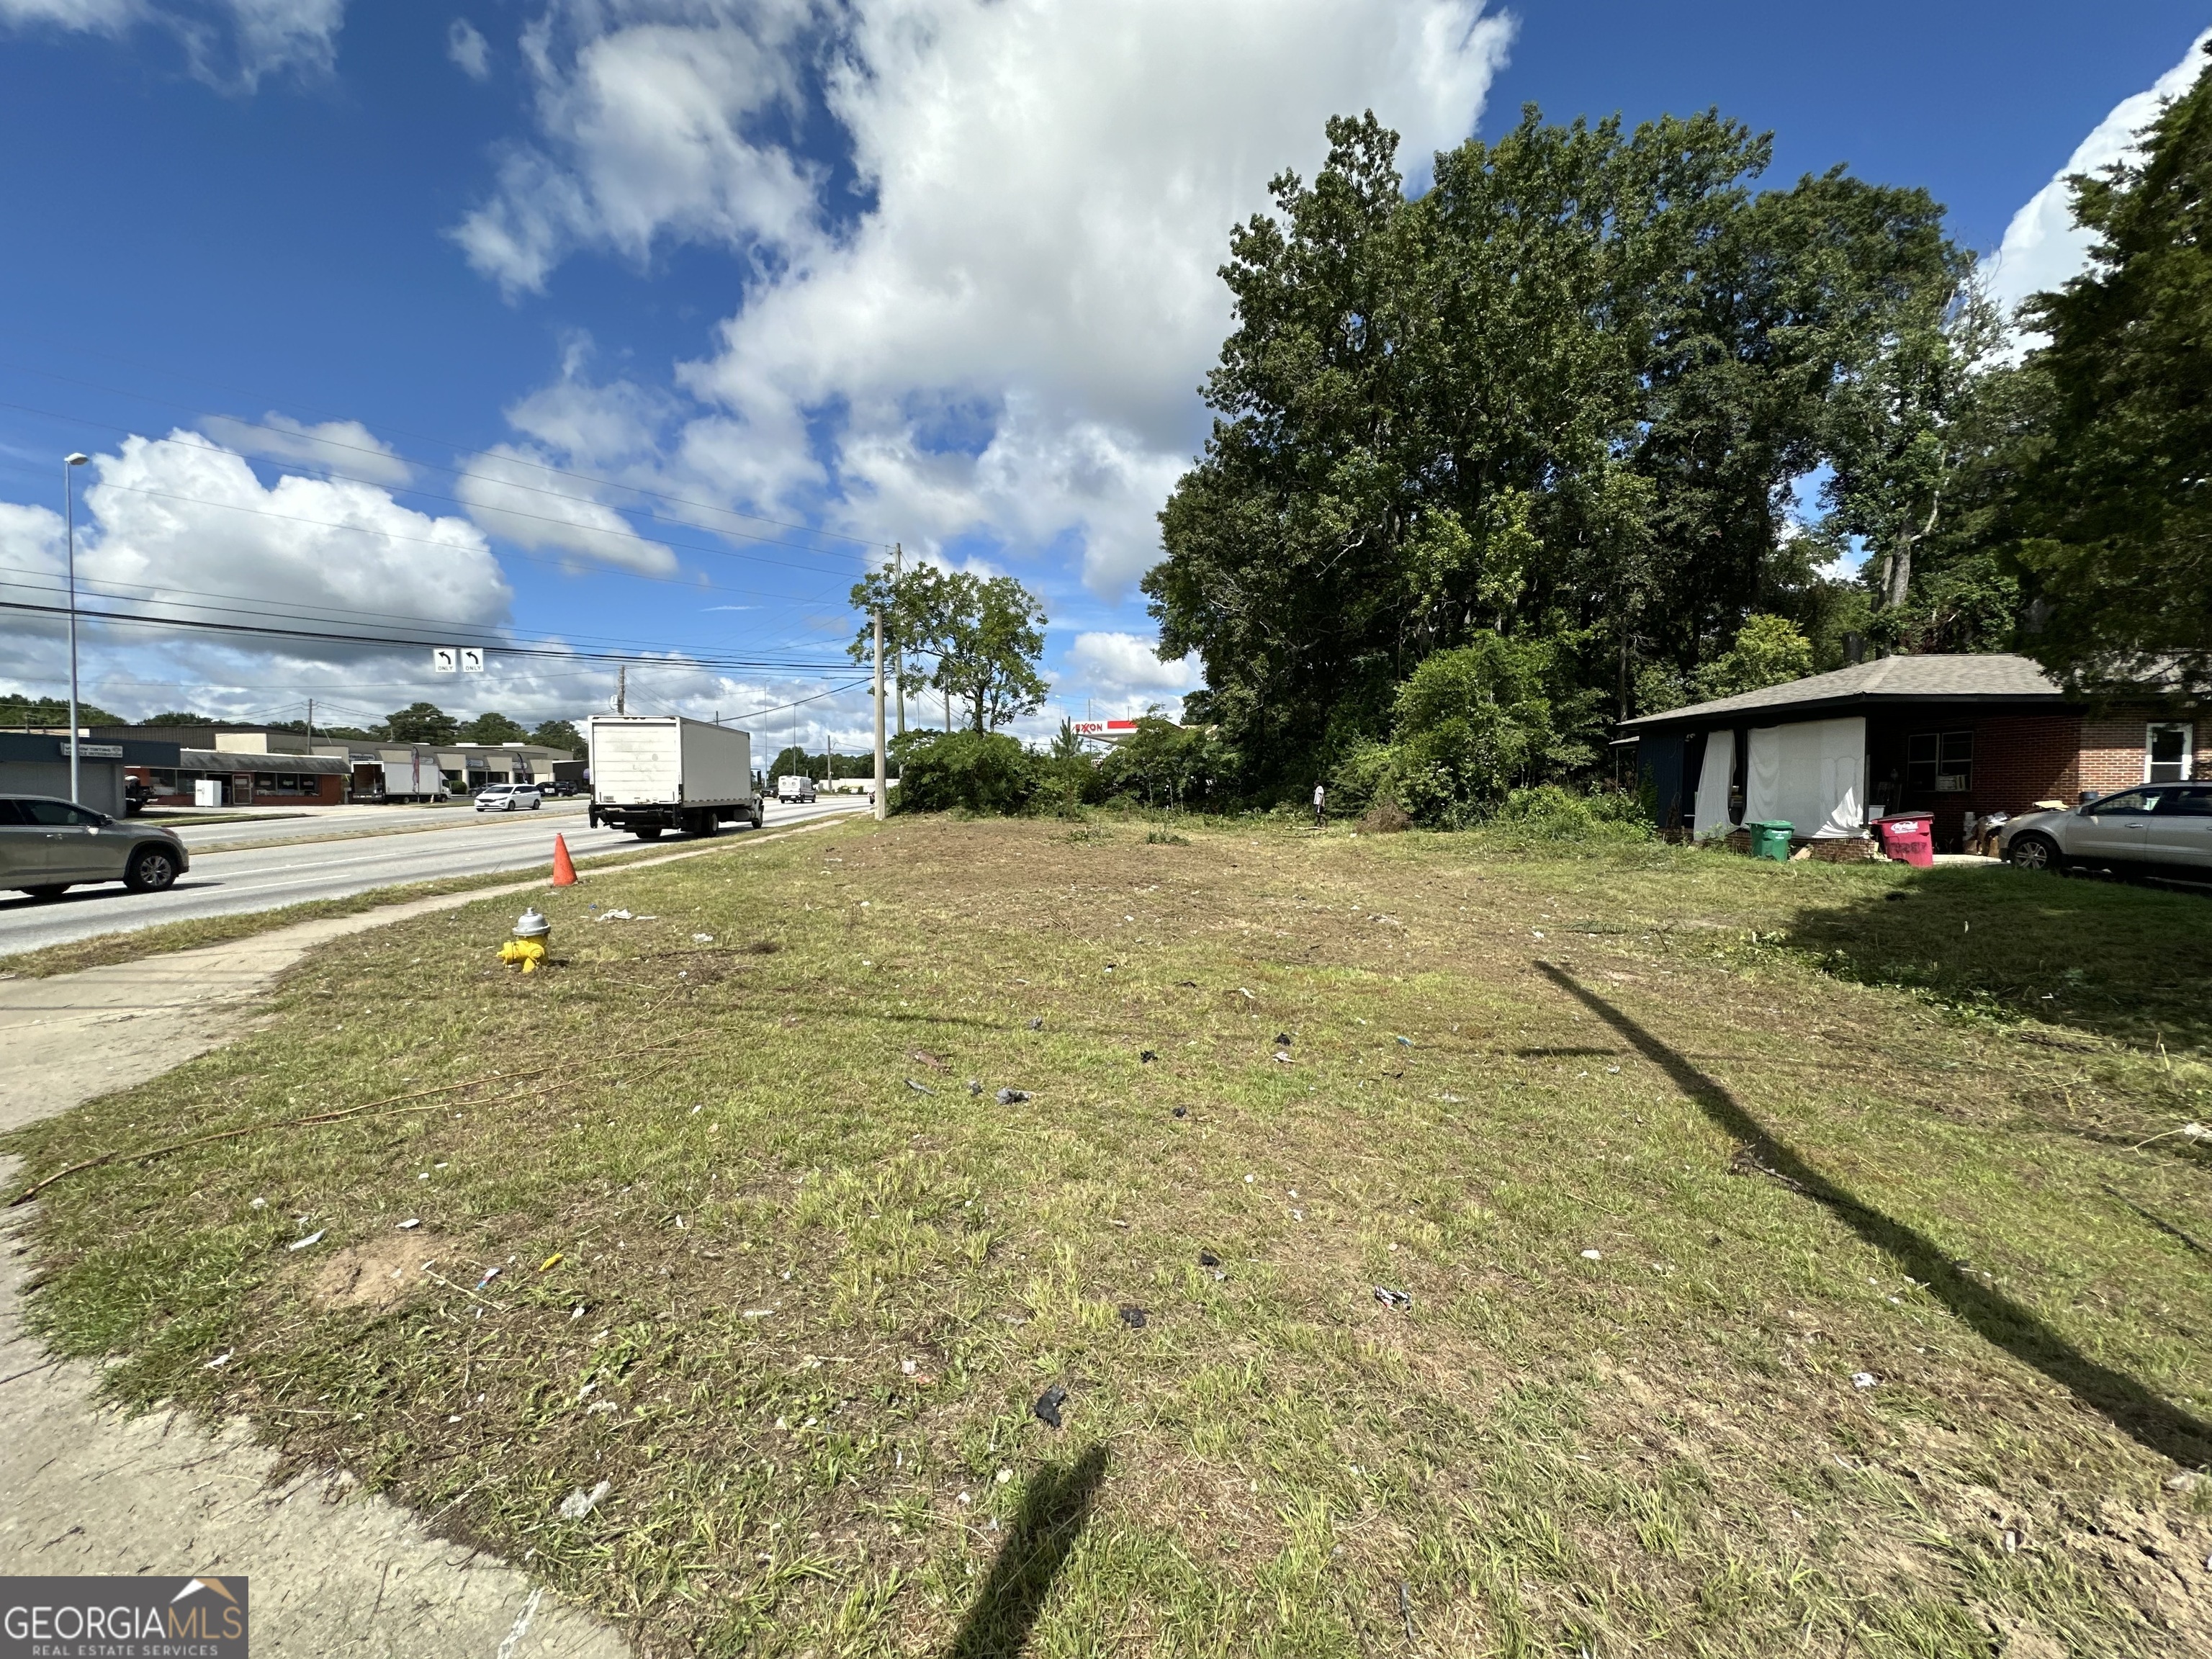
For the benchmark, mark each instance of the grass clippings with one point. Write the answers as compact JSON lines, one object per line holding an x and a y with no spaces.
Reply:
{"x":1784,"y":1269}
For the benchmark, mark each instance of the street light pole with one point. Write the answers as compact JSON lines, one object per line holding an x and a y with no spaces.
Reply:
{"x":69,"y":517}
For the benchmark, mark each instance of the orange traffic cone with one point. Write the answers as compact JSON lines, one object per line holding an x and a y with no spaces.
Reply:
{"x":564,"y":868}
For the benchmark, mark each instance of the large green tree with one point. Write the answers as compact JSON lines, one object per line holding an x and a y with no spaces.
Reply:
{"x":419,"y":722}
{"x":2117,"y":492}
{"x":492,"y":727}
{"x":1561,"y":394}
{"x":560,"y":734}
{"x":974,"y":638}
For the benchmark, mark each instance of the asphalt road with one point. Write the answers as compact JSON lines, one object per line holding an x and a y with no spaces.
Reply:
{"x":462,"y":843}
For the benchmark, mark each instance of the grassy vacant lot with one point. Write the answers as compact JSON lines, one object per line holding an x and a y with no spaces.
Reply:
{"x":1788,"y":1273}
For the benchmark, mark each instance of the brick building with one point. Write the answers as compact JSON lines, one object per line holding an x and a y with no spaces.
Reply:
{"x":1960,"y":737}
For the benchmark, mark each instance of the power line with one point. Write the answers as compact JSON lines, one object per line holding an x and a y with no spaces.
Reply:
{"x":434,"y":467}
{"x":503,"y":647}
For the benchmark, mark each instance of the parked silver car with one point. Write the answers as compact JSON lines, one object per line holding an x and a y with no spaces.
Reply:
{"x":2158,"y":829}
{"x":509,"y":798}
{"x":48,"y":845}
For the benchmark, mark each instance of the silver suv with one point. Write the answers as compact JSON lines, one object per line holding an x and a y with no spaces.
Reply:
{"x":2158,"y":829}
{"x":48,"y":847}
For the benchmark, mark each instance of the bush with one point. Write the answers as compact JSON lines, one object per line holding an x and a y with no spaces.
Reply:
{"x":1472,"y":723}
{"x":1548,"y":812}
{"x":982,"y":774}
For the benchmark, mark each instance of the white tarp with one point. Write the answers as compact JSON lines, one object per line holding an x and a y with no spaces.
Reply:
{"x":1812,"y":774}
{"x":1711,"y":818}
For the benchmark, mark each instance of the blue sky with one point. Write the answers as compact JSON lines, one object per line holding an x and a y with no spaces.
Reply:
{"x":583,"y":321}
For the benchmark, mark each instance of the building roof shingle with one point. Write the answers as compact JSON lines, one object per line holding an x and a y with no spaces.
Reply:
{"x":1995,"y":677}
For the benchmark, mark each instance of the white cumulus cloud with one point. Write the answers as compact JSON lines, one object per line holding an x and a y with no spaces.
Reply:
{"x":513,"y":491}
{"x":343,"y":446}
{"x":998,"y":347}
{"x":229,"y":42}
{"x":2043,"y":246}
{"x":1122,"y":675}
{"x":466,"y":46}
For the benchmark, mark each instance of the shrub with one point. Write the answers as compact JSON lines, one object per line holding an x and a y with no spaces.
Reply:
{"x":1547,"y":813}
{"x":1472,"y":723}
{"x":982,"y":774}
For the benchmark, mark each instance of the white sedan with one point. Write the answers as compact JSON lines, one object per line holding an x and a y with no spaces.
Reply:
{"x":509,"y":798}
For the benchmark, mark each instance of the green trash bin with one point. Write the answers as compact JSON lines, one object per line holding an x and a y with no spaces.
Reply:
{"x":1770,"y":838}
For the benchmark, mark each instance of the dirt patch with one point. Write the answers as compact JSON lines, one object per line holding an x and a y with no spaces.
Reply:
{"x":377,"y":1275}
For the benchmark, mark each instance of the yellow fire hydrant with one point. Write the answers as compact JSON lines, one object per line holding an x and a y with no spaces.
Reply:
{"x":527,"y":947}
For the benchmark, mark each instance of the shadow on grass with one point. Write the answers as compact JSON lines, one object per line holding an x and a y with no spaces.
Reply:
{"x":1053,"y":1514}
{"x":2098,"y":955}
{"x":2122,"y":1400}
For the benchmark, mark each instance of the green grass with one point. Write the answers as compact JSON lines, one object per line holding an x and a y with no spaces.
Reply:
{"x":1808,"y":1132}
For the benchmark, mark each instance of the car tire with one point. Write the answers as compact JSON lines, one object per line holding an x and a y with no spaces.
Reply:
{"x":2030,"y":851}
{"x":50,"y":890}
{"x":151,"y":869}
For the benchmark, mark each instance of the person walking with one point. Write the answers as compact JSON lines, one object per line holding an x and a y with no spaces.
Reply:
{"x":1320,"y":807}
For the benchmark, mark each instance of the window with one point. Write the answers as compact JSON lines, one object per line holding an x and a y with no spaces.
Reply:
{"x":9,"y":813}
{"x":2167,"y":752}
{"x":1939,"y":763}
{"x":2187,"y":804}
{"x":163,"y":778}
{"x":58,"y":812}
{"x":2127,"y":801}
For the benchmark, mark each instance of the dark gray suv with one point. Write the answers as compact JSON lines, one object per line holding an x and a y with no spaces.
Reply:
{"x":48,"y":845}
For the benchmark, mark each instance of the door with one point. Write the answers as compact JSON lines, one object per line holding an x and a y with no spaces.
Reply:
{"x":2113,"y":831}
{"x":2181,"y":831}
{"x":23,"y":857}
{"x":77,"y":845}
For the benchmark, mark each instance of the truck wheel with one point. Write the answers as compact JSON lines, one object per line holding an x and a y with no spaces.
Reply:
{"x":151,"y":870}
{"x":648,"y":832}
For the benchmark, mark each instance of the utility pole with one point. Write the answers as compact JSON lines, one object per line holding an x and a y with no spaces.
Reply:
{"x":311,"y":725}
{"x":622,"y":689}
{"x":69,"y":510}
{"x":882,"y":798}
{"x":899,"y":570}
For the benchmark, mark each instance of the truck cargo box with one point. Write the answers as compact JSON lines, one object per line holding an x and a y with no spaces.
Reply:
{"x":655,"y":772}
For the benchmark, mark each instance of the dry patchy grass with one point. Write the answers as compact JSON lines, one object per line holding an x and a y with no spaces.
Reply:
{"x":1664,"y":1146}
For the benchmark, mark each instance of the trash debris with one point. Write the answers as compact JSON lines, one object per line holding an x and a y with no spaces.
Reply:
{"x":1133,"y":1316}
{"x":1003,"y":1476}
{"x":1406,"y":1608}
{"x":1863,"y":1379}
{"x":1145,"y":1057}
{"x":1049,"y":1404}
{"x":1390,"y":1298}
{"x":702,"y":938}
{"x":1207,"y":1259}
{"x":1012,"y":1097}
{"x":906,"y":1367}
{"x":756,"y":1313}
{"x":490,"y":1274}
{"x":1036,"y":1025}
{"x":410,"y":1224}
{"x":550,"y":1263}
{"x":1404,"y":1043}
{"x":1284,"y":1058}
{"x":219,"y":1361}
{"x":315,"y":1237}
{"x":975,"y":1087}
{"x":1282,"y":1039}
{"x":1246,"y":995}
{"x":923,"y":1057}
{"x":1593,"y":1255}
{"x":918,"y":1088}
{"x":258,"y":1204}
{"x":1182,"y":1111}
{"x":578,"y":1503}
{"x":613,"y":915}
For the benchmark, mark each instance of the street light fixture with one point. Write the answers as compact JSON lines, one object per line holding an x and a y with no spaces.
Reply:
{"x":69,"y":514}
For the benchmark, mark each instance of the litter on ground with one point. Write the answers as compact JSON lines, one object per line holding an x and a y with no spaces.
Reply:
{"x":1049,"y":1404}
{"x":410,"y":1224}
{"x":1863,"y":1379}
{"x":315,"y":1237}
{"x":918,"y":1088}
{"x":1134,"y":1317}
{"x":1390,"y":1298}
{"x":1012,"y":1097}
{"x":578,"y":1503}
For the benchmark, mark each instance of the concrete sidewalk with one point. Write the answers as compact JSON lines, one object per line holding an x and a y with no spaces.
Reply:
{"x":89,"y":1489}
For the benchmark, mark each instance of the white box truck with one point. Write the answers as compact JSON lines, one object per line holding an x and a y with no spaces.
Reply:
{"x":410,"y":775}
{"x":794,"y":789}
{"x":652,"y":773}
